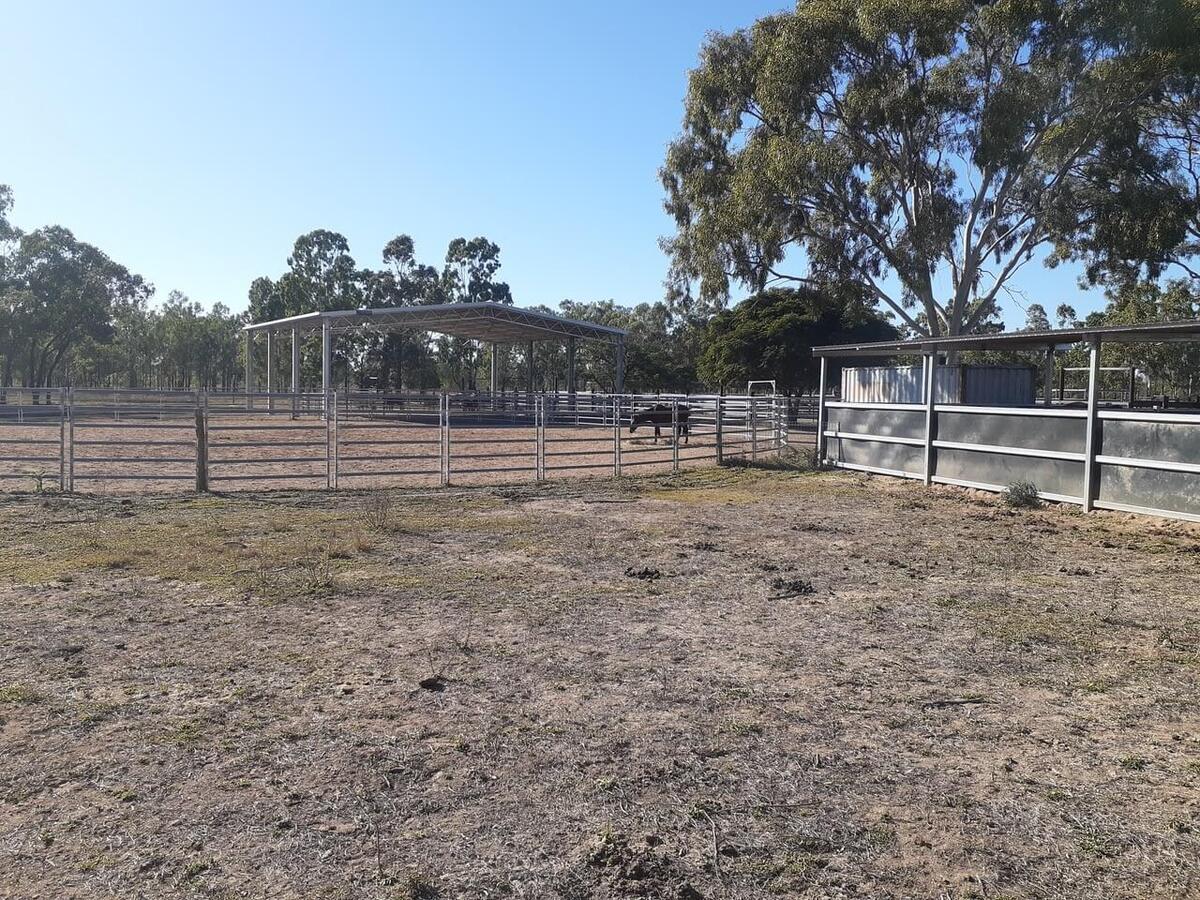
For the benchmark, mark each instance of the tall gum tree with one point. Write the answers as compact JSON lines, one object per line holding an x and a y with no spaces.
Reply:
{"x":925,"y":151}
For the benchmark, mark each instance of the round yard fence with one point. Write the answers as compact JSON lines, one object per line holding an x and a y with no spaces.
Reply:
{"x":156,"y":441}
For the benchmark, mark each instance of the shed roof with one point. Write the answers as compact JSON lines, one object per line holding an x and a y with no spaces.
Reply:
{"x":481,"y":321}
{"x":1158,"y":332}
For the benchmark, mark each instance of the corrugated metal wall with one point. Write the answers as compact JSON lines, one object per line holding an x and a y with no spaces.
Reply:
{"x":974,"y":385}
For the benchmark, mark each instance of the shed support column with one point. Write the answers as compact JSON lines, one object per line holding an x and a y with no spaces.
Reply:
{"x":493,"y":361}
{"x":571,"y":370}
{"x":820,"y":448}
{"x":249,"y":368}
{"x":1048,"y":377}
{"x":1092,"y":435}
{"x":529,"y":372}
{"x":326,"y":358}
{"x":270,"y":370}
{"x":619,"y":380}
{"x":295,"y":360}
{"x":1132,"y":384}
{"x":931,"y":361}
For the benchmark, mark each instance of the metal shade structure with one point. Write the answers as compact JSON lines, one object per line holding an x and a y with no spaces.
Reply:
{"x":494,"y":323}
{"x":1158,"y":332}
{"x":1131,"y":460}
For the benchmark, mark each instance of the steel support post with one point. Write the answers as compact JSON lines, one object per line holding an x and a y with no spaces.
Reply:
{"x":271,"y":386}
{"x":931,"y":364}
{"x":539,"y":450}
{"x":674,"y":437}
{"x":529,"y":373}
{"x":1048,"y":378}
{"x":571,"y":371}
{"x":821,"y":410}
{"x":753,"y":432}
{"x":326,"y":357}
{"x":719,"y":413}
{"x":616,"y":435}
{"x":295,"y":382}
{"x":445,"y":407}
{"x":249,"y":369}
{"x":1092,"y":435}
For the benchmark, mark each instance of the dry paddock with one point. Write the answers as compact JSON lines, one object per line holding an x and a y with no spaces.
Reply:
{"x":727,"y":683}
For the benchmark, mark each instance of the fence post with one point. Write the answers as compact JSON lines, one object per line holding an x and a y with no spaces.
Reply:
{"x":201,"y":445}
{"x":781,"y":413}
{"x":444,"y":416}
{"x":720,"y":445}
{"x":820,"y":446}
{"x":674,"y":437}
{"x":1091,"y":436}
{"x":69,"y":446}
{"x":616,"y":436}
{"x":62,"y":439}
{"x":539,"y":438}
{"x":753,"y":430}
{"x":930,"y":368}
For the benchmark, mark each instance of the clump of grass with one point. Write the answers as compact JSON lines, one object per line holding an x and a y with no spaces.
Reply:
{"x":1022,"y":495}
{"x":787,"y":459}
{"x":1134,"y":763}
{"x":20,"y":694}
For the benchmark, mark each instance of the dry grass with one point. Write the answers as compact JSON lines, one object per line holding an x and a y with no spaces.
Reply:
{"x":727,"y":684}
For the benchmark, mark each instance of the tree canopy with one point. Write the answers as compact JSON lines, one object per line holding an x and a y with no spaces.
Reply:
{"x":771,"y":336}
{"x":930,"y":150}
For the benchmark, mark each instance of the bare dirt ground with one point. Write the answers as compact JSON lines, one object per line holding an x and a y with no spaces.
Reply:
{"x":730,"y":683}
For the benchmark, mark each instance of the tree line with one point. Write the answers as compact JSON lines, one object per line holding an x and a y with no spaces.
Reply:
{"x":835,"y":161}
{"x":71,"y":315}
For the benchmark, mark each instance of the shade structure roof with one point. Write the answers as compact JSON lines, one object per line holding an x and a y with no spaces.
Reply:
{"x":1158,"y":332}
{"x":496,"y":322}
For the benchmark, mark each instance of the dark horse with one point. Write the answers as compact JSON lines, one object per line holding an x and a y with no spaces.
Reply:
{"x":659,"y":415}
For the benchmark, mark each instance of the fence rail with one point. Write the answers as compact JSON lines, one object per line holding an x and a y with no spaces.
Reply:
{"x":106,"y":440}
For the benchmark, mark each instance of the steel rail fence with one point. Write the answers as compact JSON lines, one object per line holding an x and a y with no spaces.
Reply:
{"x":163,"y":440}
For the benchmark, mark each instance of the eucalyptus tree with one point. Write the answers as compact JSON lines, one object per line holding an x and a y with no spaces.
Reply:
{"x":60,"y":292}
{"x":928,"y":151}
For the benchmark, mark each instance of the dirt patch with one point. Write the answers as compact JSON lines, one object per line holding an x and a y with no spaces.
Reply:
{"x":721,"y":684}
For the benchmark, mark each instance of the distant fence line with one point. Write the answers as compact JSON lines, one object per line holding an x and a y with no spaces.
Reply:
{"x":103,"y":439}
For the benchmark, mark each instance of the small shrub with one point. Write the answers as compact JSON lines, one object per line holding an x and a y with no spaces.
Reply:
{"x":378,"y":511}
{"x":1022,"y":495}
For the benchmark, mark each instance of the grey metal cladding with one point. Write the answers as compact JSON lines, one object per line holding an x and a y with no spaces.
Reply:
{"x":1055,"y":476}
{"x":898,"y":457}
{"x":885,"y":422}
{"x":1150,"y":488}
{"x":1029,"y":432}
{"x":1165,"y":441}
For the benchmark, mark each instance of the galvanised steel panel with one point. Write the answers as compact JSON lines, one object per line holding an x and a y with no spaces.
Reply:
{"x":998,"y":385}
{"x":1151,"y":488}
{"x":886,"y":422}
{"x":976,"y":385}
{"x":897,"y":384}
{"x":1166,"y":441}
{"x":1055,"y":476}
{"x":1032,"y":432}
{"x":899,"y":457}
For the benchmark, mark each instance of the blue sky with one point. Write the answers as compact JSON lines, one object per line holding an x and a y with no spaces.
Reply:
{"x":195,"y":142}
